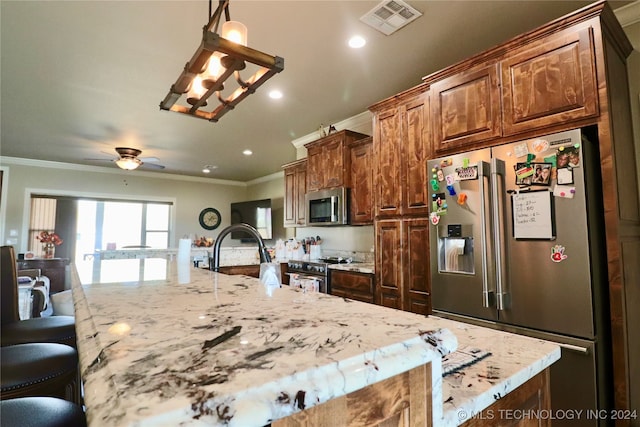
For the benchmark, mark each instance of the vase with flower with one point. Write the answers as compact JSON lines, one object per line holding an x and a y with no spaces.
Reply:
{"x":49,"y":242}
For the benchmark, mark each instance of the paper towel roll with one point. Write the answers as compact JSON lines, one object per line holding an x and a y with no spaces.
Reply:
{"x":184,"y":262}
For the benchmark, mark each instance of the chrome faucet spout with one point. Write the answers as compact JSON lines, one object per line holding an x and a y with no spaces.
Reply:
{"x":262,"y":249}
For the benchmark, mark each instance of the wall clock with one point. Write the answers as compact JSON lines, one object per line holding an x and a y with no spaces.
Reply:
{"x":209,"y":218}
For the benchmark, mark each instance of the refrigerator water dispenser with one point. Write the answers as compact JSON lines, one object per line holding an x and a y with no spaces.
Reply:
{"x":455,"y":249}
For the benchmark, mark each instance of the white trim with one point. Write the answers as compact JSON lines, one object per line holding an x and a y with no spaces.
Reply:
{"x":28,"y":192}
{"x":359,"y":121}
{"x":5,"y":201}
{"x":628,"y":14}
{"x":100,"y":169}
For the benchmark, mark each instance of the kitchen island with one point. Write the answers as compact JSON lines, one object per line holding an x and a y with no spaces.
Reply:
{"x":226,"y":350}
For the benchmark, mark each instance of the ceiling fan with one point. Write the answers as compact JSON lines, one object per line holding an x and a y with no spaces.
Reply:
{"x":128,"y":159}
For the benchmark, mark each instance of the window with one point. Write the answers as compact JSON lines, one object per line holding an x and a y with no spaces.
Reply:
{"x":99,"y":225}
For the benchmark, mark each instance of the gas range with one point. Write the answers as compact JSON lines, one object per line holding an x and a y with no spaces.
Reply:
{"x":317,"y":268}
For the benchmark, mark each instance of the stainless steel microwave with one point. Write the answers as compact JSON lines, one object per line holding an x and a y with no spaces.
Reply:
{"x":328,"y":207}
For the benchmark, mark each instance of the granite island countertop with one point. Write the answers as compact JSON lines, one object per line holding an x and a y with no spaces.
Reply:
{"x":225,"y":350}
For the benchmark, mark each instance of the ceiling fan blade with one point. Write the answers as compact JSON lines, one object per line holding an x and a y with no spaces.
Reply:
{"x":151,"y":166}
{"x":149,"y":159}
{"x":101,"y":160}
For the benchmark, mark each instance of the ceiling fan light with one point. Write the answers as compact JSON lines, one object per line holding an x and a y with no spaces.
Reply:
{"x":128,"y":163}
{"x":235,"y":31}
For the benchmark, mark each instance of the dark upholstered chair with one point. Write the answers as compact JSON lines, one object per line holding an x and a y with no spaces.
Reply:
{"x":39,"y":369}
{"x":41,"y":412}
{"x":53,"y":329}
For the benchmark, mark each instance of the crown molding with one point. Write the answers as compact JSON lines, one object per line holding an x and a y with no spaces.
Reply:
{"x":113,"y":171}
{"x":628,"y":14}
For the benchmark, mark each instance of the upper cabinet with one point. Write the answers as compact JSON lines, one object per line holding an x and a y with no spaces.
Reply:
{"x":329,"y":162}
{"x":295,"y":187}
{"x":361,"y":198}
{"x":466,"y":108}
{"x":549,"y":82}
{"x":401,"y":149}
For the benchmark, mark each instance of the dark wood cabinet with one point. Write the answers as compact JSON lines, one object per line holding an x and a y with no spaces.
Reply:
{"x":246,"y":270}
{"x":388,"y":291}
{"x":353,"y":285}
{"x":361,"y":198}
{"x":295,"y":187}
{"x":402,"y":264}
{"x":328,"y":160}
{"x":415,"y":263}
{"x":466,"y":108}
{"x":552,"y":81}
{"x":401,"y":149}
{"x":54,"y":269}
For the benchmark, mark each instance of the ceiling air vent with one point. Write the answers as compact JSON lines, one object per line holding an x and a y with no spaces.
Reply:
{"x":390,"y":15}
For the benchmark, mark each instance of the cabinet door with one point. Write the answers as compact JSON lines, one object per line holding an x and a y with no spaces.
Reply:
{"x":551,"y":82}
{"x":333,"y":156}
{"x":465,"y":109}
{"x":387,"y":145}
{"x":388,"y":263}
{"x":315,"y":170}
{"x":353,"y":285}
{"x":416,"y":283}
{"x":416,"y":151}
{"x":301,"y":189}
{"x":361,"y":209}
{"x":295,"y":186}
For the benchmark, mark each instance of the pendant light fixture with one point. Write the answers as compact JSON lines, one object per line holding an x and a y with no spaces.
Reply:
{"x":219,"y":57}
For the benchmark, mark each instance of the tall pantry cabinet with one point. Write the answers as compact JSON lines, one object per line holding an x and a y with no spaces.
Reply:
{"x":568,"y":74}
{"x":401,"y":201}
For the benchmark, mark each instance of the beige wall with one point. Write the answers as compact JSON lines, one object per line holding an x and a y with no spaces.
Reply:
{"x":633,"y":64}
{"x":189,"y":195}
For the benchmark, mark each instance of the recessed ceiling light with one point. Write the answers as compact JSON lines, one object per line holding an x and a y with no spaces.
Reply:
{"x":275,"y":94}
{"x":209,"y":168}
{"x":357,"y":42}
{"x":247,"y":152}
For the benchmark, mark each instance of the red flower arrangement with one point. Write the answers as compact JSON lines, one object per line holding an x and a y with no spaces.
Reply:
{"x":46,"y":237}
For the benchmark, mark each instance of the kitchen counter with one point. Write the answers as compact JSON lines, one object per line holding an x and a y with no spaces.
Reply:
{"x":358,"y":267}
{"x":225,"y":350}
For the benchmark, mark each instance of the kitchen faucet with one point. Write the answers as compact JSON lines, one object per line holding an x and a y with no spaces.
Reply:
{"x":264,"y":255}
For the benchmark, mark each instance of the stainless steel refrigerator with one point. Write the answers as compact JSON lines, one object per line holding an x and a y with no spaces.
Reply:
{"x":516,"y":244}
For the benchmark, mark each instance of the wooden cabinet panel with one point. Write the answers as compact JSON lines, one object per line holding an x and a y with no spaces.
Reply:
{"x":329,"y":164}
{"x":466,"y":109}
{"x":530,"y":398}
{"x":401,"y":148}
{"x":551,"y":82}
{"x":246,"y":270}
{"x":387,"y":140}
{"x":416,"y":152}
{"x":388,"y":263}
{"x":361,"y":207}
{"x":416,"y":281}
{"x":295,"y":186}
{"x":353,"y":285}
{"x":402,"y":400}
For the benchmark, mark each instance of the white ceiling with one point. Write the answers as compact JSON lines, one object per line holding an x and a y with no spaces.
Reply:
{"x":79,"y":78}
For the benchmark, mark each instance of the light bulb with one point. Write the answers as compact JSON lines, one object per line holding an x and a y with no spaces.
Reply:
{"x":196,"y":91}
{"x":235,"y":31}
{"x":213,"y":71}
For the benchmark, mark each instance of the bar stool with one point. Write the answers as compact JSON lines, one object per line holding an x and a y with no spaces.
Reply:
{"x":38,"y":369}
{"x":53,"y":329}
{"x":41,"y":412}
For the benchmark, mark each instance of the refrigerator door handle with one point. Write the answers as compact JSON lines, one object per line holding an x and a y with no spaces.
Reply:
{"x":488,"y":296}
{"x":497,"y":202}
{"x":575,"y":348}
